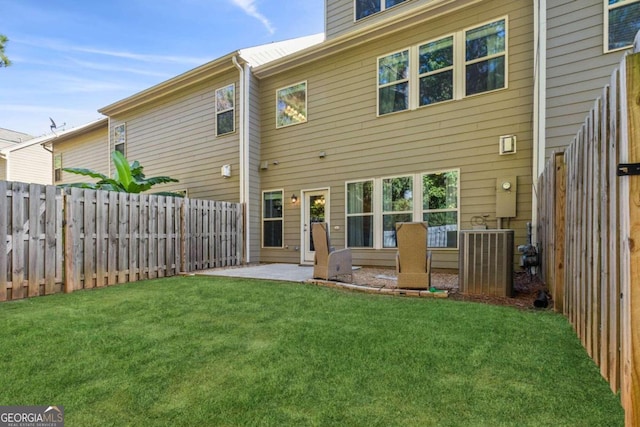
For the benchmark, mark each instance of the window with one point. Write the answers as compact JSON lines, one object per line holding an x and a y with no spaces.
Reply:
{"x":397,"y":206}
{"x":485,"y":58}
{"x":272,"y":219}
{"x":622,"y":22}
{"x":393,"y":82}
{"x":291,"y":105}
{"x":435,"y":71}
{"x":366,"y":8}
{"x":466,"y":63}
{"x":374,"y":207}
{"x":57,"y":168}
{"x":360,"y":214}
{"x":120,"y":138}
{"x":440,"y":208}
{"x":225,"y":111}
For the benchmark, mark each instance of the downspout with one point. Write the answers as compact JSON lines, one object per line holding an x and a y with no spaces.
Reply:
{"x":539,"y":104}
{"x":243,"y":140}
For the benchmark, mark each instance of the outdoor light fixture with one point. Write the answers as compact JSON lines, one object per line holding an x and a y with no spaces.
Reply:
{"x":294,"y":198}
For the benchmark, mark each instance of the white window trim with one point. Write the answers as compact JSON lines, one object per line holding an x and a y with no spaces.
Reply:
{"x":383,"y":8}
{"x":56,"y":156}
{"x":306,"y":103}
{"x":605,"y":32}
{"x":123,"y":142}
{"x":263,"y":219}
{"x":233,"y":85}
{"x":459,"y":68}
{"x":417,"y":211}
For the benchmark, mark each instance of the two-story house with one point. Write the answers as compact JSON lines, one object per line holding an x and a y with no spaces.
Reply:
{"x":434,"y":110}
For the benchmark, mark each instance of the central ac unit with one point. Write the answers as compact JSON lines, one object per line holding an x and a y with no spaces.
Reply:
{"x":486,"y":262}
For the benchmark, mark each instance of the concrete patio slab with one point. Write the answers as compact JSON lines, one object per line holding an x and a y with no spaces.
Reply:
{"x":286,"y":272}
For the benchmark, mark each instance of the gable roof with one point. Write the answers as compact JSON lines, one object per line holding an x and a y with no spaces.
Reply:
{"x":253,"y":56}
{"x":9,"y":137}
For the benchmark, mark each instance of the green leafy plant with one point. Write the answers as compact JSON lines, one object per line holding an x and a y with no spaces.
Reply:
{"x":127,"y":178}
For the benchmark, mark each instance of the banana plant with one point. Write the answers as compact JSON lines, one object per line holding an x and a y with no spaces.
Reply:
{"x":127,"y":178}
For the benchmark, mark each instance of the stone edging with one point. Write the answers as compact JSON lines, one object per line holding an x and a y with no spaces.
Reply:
{"x":381,"y":291}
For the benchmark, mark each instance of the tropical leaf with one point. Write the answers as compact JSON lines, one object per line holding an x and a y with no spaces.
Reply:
{"x":123,"y":170}
{"x":86,"y":172}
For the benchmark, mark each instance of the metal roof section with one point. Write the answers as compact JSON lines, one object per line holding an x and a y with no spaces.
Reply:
{"x":258,"y":55}
{"x":375,"y":30}
{"x":10,"y":137}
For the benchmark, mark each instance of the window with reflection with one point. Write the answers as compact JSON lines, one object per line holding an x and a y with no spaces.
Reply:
{"x":393,"y":82}
{"x":272,"y":219}
{"x":366,"y":8}
{"x":360,"y":214}
{"x":485,"y":56}
{"x":440,"y":208}
{"x":623,"y":23}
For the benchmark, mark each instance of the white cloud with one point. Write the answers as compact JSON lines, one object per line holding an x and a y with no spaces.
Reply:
{"x":250,"y":9}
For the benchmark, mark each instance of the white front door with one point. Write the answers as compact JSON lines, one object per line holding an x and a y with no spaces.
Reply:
{"x":315,"y":209}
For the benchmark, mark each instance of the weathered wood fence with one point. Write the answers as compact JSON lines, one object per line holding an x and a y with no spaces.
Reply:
{"x":60,"y":241}
{"x":589,"y":230}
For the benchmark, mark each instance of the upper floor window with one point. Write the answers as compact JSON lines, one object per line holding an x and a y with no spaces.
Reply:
{"x":120,"y":138}
{"x":291,"y":105}
{"x":57,"y":168}
{"x":225,"y":111}
{"x":622,"y":22}
{"x":462,"y":64}
{"x":365,"y":8}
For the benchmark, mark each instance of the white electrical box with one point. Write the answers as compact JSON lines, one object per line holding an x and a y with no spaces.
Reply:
{"x":225,"y":171}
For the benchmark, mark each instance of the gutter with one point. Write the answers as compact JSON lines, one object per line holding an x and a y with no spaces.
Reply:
{"x":243,"y":140}
{"x":539,"y":105}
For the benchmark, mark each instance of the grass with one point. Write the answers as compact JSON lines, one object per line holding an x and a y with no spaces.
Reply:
{"x":188,"y":351}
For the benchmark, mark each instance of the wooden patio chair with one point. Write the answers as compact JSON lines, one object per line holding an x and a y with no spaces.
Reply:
{"x":413,"y":260}
{"x":328,"y":263}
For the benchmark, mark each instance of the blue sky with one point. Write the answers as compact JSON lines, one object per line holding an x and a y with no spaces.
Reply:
{"x":72,"y":57}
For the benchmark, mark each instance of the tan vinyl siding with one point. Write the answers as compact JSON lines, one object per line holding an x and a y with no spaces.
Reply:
{"x":577,"y":68}
{"x":454,"y":135}
{"x":175,"y":136}
{"x":89,"y":150}
{"x":3,"y":169}
{"x":31,"y":164}
{"x":253,"y":174}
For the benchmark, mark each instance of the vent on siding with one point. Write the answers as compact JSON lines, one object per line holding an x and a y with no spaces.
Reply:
{"x":486,"y":262}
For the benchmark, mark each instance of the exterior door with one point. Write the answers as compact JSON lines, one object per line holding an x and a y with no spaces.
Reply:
{"x":316,"y":209}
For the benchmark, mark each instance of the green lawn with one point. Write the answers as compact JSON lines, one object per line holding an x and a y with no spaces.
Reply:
{"x":205,"y":351}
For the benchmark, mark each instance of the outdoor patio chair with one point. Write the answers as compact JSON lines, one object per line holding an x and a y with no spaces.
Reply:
{"x":328,"y":263}
{"x":413,"y":260}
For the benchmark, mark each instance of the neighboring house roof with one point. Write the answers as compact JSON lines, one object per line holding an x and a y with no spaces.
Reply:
{"x":374,"y":30}
{"x":10,"y":138}
{"x":50,"y":138}
{"x":253,"y":56}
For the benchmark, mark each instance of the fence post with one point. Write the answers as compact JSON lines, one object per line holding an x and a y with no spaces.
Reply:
{"x":559,"y":232}
{"x":3,"y":243}
{"x":631,"y":293}
{"x":71,"y":198}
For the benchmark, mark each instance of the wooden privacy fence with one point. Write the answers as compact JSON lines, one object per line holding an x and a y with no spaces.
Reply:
{"x":60,"y":241}
{"x":589,"y":229}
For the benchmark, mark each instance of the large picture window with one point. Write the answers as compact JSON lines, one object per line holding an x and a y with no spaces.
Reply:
{"x":622,"y":18}
{"x":427,"y":73}
{"x":360,"y":214}
{"x":364,"y":8}
{"x":225,"y":111}
{"x":375,"y":206}
{"x":291,"y":105}
{"x":272,"y":219}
